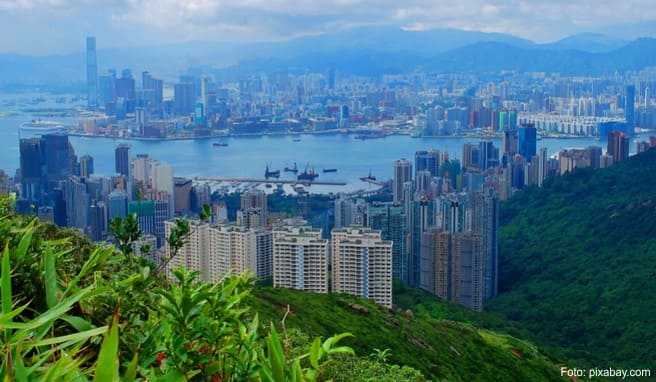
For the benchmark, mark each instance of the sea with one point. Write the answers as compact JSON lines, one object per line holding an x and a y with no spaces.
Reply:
{"x":248,"y":157}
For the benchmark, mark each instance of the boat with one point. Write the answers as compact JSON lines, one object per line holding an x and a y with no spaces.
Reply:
{"x":271,"y":173}
{"x":308,"y":174}
{"x":292,"y":169}
{"x":368,"y":178}
{"x":329,"y":170}
{"x":296,"y":139}
{"x":42,"y":126}
{"x":220,"y":144}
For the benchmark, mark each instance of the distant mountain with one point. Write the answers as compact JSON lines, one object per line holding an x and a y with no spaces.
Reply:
{"x":479,"y":57}
{"x":492,"y":56}
{"x":586,"y":42}
{"x":388,"y":40}
{"x":169,"y":60}
{"x":366,"y":51}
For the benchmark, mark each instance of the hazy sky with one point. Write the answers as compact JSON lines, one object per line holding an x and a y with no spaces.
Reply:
{"x":58,"y":26}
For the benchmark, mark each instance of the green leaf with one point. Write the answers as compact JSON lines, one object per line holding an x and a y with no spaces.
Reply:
{"x":50,"y":259}
{"x":315,"y":352}
{"x":131,"y":371}
{"x":75,"y":337}
{"x":25,"y":241}
{"x":50,"y":314}
{"x":276,"y":355}
{"x":6,"y":282}
{"x":79,"y":323}
{"x":107,"y":365}
{"x":20,"y":372}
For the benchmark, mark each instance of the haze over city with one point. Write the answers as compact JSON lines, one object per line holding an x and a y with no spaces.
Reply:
{"x":129,"y":23}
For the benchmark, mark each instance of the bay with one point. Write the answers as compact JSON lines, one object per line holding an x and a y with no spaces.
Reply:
{"x":249,"y":156}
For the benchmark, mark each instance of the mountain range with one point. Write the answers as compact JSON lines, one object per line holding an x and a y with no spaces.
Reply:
{"x":367,"y":51}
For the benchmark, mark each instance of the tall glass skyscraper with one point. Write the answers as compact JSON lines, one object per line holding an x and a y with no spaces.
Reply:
{"x":629,"y":106}
{"x":92,"y":73}
{"x":527,"y":140}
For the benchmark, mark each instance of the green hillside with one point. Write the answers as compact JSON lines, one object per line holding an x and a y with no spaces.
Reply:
{"x":72,"y":310}
{"x":441,"y":349}
{"x":578,"y":264}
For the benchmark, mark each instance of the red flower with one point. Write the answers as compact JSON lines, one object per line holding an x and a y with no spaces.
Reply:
{"x":161,"y":356}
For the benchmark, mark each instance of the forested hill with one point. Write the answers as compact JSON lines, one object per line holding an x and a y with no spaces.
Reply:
{"x":73,"y":310}
{"x":442,"y":349}
{"x":578,"y":263}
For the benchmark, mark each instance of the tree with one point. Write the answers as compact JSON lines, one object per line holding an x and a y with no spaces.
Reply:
{"x":126,"y":231}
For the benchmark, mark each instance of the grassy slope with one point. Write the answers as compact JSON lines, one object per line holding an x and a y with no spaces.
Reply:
{"x":578,"y":264}
{"x":441,"y":349}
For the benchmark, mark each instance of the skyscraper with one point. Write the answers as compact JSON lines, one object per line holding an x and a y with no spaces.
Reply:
{"x":362,"y":264}
{"x":402,"y":174}
{"x":390,"y":220}
{"x":509,"y":143}
{"x":117,"y":205}
{"x":153,"y":90}
{"x":527,"y":140}
{"x":331,"y":78}
{"x":122,"y":159}
{"x":184,"y":97}
{"x":349,"y":212}
{"x":488,"y":155}
{"x":92,"y":73}
{"x":300,"y":259}
{"x":253,"y":210}
{"x":428,"y":160}
{"x":59,"y":156}
{"x":32,"y":167}
{"x":618,"y":146}
{"x":86,"y":166}
{"x":629,"y":106}
{"x":77,"y":203}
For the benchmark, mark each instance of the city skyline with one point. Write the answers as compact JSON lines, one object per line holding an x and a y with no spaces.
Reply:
{"x":215,"y":190}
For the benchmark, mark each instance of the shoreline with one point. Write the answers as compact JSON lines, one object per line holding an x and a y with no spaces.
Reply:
{"x":319,"y":133}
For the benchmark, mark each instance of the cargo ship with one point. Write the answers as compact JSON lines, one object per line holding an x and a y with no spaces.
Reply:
{"x":292,"y":169}
{"x":271,"y":173}
{"x":368,"y":178}
{"x":309,"y":174}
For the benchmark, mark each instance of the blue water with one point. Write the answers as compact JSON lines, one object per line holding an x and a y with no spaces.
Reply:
{"x":248,"y":156}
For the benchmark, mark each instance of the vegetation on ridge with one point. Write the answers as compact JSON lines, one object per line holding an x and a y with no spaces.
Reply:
{"x":578,"y":264}
{"x":78,"y":311}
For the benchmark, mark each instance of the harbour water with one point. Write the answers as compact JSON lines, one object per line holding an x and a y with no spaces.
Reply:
{"x":248,"y":156}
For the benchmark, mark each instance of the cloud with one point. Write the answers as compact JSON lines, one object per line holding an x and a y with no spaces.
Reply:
{"x":153,"y":21}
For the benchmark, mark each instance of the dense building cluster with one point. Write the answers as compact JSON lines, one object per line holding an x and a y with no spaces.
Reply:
{"x":207,"y":102}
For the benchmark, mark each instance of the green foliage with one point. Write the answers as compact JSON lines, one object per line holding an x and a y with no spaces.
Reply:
{"x":177,"y":238}
{"x":437,"y":348}
{"x":578,"y":261}
{"x":126,"y":232}
{"x":27,"y":337}
{"x":205,"y":213}
{"x":179,"y":330}
{"x":347,"y":369}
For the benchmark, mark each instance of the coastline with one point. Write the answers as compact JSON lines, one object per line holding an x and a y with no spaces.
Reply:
{"x":324,"y":132}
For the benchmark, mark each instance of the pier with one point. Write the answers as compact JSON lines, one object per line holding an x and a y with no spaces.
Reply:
{"x":272,"y":181}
